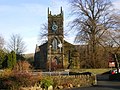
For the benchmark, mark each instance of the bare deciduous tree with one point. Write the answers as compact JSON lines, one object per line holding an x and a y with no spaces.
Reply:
{"x":16,"y":44}
{"x":1,"y":42}
{"x":43,"y":34}
{"x":93,"y":18}
{"x":111,"y":40}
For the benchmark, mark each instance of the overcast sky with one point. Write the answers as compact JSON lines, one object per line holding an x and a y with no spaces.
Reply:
{"x":25,"y":17}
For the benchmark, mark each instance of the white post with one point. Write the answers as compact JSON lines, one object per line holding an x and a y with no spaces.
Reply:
{"x":50,"y":59}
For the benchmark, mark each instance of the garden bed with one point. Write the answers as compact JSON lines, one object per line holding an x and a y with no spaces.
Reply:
{"x":26,"y":80}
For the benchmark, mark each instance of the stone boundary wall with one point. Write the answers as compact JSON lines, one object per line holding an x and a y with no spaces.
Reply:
{"x":68,"y":81}
{"x":71,"y":81}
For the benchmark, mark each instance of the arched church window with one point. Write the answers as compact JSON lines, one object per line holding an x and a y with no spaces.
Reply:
{"x":55,"y":44}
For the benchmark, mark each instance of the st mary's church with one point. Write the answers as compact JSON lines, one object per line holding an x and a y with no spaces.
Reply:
{"x":56,"y":53}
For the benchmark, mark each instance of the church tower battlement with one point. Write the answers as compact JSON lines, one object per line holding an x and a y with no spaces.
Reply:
{"x":55,"y":23}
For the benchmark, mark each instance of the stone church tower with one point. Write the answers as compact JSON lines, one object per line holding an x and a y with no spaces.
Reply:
{"x":56,"y":53}
{"x":55,"y":40}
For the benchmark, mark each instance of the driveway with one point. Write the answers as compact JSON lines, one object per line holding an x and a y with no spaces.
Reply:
{"x":102,"y":84}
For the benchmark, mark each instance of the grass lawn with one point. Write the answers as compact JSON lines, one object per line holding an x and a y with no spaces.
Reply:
{"x":94,"y":71}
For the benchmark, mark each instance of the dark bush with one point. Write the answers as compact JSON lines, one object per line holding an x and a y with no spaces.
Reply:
{"x":6,"y":83}
{"x":77,"y":73}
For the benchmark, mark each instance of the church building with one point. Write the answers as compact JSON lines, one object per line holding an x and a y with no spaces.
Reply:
{"x":56,"y":53}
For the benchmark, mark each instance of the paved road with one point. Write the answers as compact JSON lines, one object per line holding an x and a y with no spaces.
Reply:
{"x":102,"y":84}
